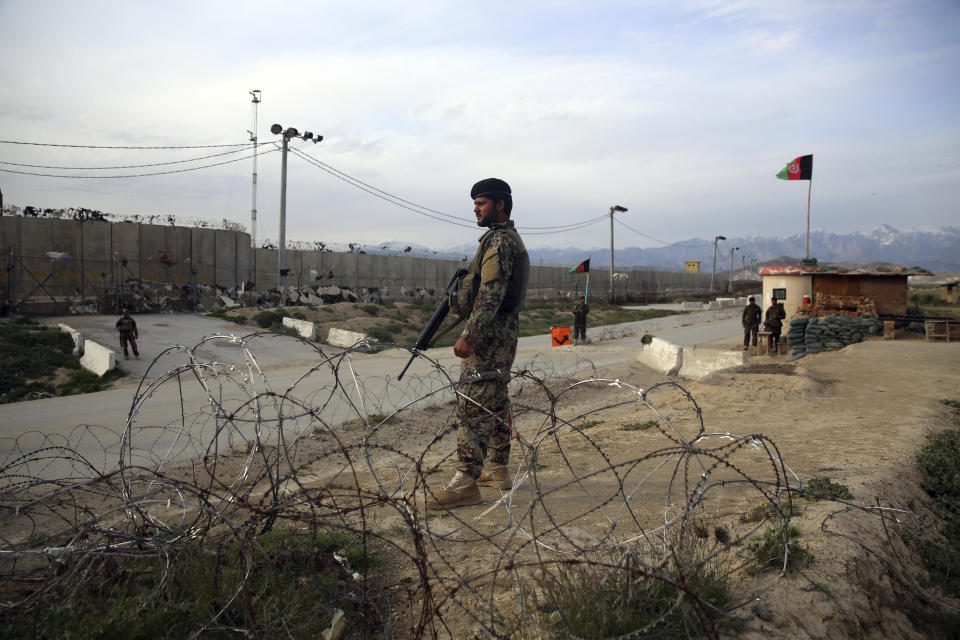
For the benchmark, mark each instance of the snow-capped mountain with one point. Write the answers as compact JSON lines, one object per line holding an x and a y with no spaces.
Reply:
{"x":933,"y":249}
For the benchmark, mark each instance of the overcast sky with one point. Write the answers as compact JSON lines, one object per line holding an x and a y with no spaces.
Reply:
{"x":682,"y":111}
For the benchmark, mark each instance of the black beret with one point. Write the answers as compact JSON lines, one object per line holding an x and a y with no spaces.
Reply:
{"x":489,"y":187}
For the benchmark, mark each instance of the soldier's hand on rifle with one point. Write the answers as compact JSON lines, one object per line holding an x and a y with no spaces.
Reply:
{"x":463,"y":349}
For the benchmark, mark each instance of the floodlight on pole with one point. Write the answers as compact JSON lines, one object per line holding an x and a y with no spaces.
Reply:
{"x":618,"y":209}
{"x":255,"y":102}
{"x":291,"y":132}
{"x":713,"y":272}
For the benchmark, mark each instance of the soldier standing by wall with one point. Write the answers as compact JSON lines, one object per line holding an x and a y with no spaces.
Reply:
{"x":750,"y":319}
{"x":773,"y":322}
{"x":127,"y":327}
{"x":488,"y":344}
{"x":580,"y":311}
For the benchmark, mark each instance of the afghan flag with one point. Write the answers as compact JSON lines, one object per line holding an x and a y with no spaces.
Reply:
{"x":583,"y":267}
{"x":798,"y":169}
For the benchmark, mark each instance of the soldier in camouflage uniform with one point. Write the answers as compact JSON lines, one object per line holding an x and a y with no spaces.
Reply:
{"x":750,"y":320}
{"x":580,"y":311}
{"x":773,"y":322}
{"x":498,"y":276}
{"x":127,"y":327}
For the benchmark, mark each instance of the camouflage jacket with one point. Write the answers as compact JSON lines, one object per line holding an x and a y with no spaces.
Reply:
{"x":751,"y":316}
{"x":504,"y":270}
{"x":580,"y":312}
{"x":127,"y":326}
{"x":774,"y":316}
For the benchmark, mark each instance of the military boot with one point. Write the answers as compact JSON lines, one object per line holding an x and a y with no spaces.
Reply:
{"x":462,"y":490}
{"x":495,"y":475}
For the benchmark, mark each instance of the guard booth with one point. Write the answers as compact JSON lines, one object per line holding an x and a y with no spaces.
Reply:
{"x":836,"y":291}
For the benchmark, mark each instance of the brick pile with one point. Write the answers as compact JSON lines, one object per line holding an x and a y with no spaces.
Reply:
{"x":834,"y":305}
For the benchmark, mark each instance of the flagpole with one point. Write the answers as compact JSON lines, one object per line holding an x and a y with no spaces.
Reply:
{"x":809,"y":190}
{"x":586,"y":292}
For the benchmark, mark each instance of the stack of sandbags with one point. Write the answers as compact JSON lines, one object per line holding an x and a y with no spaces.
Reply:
{"x":798,"y":329}
{"x":814,"y":335}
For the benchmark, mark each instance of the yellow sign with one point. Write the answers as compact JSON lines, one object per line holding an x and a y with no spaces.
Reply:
{"x":691,"y":266}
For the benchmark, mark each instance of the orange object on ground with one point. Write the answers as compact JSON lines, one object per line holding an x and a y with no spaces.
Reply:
{"x":560,"y":335}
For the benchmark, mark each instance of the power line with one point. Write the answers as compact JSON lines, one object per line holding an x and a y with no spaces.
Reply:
{"x":94,"y":146}
{"x":134,"y":175}
{"x":579,"y":225}
{"x":383,"y":195}
{"x":420,"y":209}
{"x":672,"y":244}
{"x":572,"y":225}
{"x":128,"y":166}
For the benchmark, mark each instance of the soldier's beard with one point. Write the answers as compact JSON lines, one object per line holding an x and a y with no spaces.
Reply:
{"x":487,"y":220}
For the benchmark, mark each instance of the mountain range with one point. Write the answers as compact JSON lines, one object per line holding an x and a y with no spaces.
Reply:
{"x":932,"y":249}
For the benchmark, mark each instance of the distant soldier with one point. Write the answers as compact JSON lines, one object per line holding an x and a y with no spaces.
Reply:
{"x":127,"y":327}
{"x":580,"y":311}
{"x":773,"y":322}
{"x":493,"y":293}
{"x":751,"y":323}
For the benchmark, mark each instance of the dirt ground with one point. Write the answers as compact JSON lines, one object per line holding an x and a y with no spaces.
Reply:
{"x":858,"y":416}
{"x":593,"y":472}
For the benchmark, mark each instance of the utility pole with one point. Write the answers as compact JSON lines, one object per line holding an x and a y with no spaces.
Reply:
{"x":732,"y":249}
{"x":277,"y":129}
{"x":253,"y":138}
{"x":615,"y":207}
{"x":713,"y":272}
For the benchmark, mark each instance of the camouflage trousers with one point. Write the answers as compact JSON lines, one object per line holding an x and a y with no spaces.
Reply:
{"x":580,"y":330}
{"x":483,"y":405}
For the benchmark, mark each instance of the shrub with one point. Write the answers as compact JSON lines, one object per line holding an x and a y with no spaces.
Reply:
{"x":586,"y":424}
{"x":290,"y":589}
{"x":380,"y":333}
{"x":939,"y":461}
{"x":372,"y":309}
{"x":265,"y":319}
{"x":639,"y":426}
{"x":29,"y":351}
{"x":823,"y":488}
{"x":617,"y":599}
{"x":770,"y":549}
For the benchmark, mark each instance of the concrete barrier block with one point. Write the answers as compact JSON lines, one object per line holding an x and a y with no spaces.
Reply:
{"x":713,"y":305}
{"x":699,"y":363}
{"x":691,"y":306}
{"x":344,"y":338}
{"x":726,"y":302}
{"x":77,"y":338}
{"x":661,"y":356}
{"x":97,"y":358}
{"x":305,"y":328}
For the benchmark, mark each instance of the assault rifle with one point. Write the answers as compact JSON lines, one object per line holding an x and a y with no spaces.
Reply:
{"x":427,"y":337}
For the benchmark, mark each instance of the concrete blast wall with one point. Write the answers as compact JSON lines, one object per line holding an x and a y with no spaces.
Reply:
{"x":68,"y":266}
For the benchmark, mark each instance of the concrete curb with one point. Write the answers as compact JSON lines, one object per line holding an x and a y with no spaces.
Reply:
{"x":691,"y":362}
{"x":698,"y":363}
{"x":97,"y":358}
{"x":77,"y":338}
{"x":344,"y":338}
{"x":662,"y":356}
{"x":305,"y":328}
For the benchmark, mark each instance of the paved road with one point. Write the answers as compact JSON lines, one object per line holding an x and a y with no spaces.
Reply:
{"x":174,"y":403}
